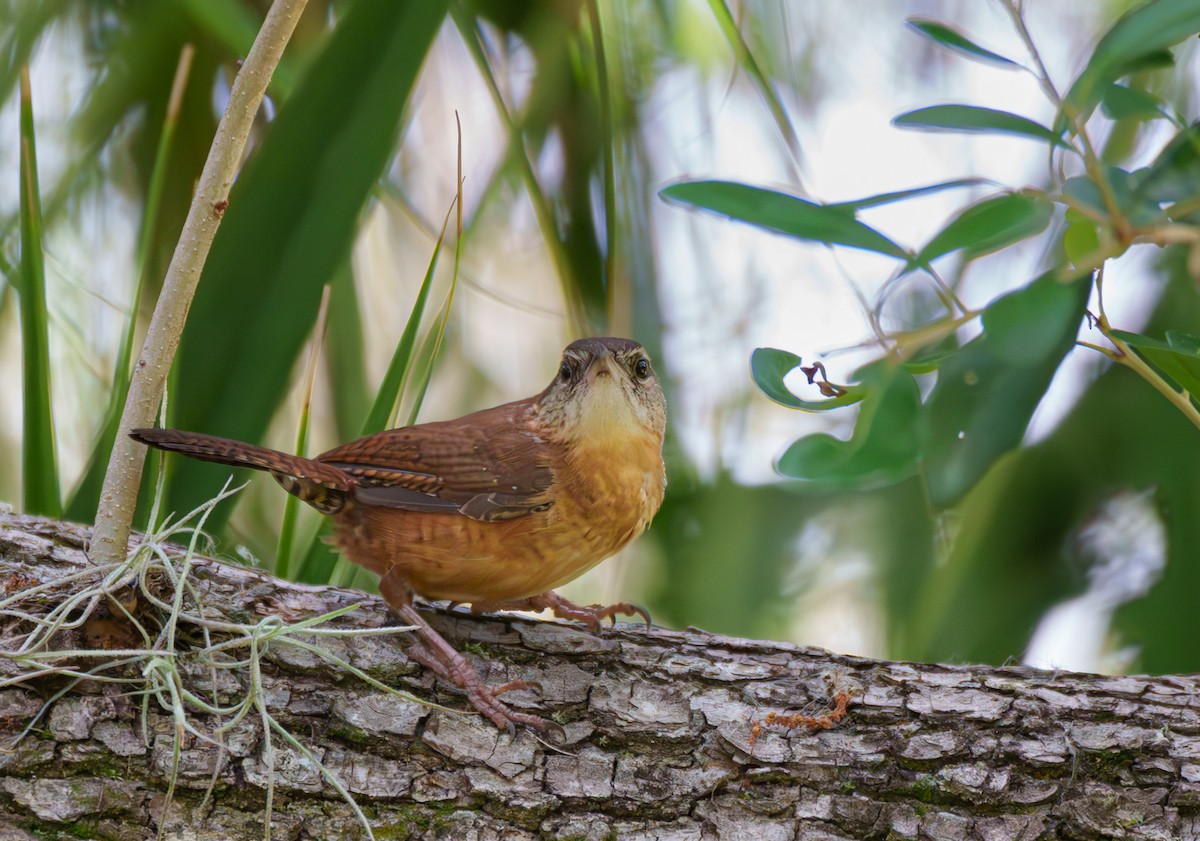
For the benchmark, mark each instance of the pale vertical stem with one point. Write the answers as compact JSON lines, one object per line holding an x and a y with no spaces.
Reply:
{"x":119,"y":495}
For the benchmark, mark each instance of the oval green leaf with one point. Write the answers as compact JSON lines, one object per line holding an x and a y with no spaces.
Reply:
{"x":973,"y":118}
{"x":903,"y":195}
{"x":986,"y":393}
{"x":954,"y":40}
{"x":769,"y":366}
{"x":1121,"y":102}
{"x":884,"y":447}
{"x":988,"y":226}
{"x":1184,"y":342}
{"x":1138,"y":194}
{"x":782,"y":213}
{"x":1174,"y":176}
{"x":1081,"y":239}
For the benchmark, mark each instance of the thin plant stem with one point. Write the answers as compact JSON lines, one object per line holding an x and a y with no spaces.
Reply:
{"x":1013,"y":7}
{"x":1129,"y":357}
{"x":1124,"y":354}
{"x":118,"y":497}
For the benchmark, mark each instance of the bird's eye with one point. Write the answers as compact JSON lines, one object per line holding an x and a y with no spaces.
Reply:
{"x":564,"y":373}
{"x":642,"y":368}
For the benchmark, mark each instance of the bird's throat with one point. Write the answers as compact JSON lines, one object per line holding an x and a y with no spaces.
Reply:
{"x":604,"y":416}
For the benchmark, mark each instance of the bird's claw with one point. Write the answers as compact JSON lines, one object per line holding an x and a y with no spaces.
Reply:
{"x":453,"y":667}
{"x":590,"y":615}
{"x":516,"y":685}
{"x":485,"y":699}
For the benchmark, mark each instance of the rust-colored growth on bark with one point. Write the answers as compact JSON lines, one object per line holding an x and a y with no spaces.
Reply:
{"x":790,"y":721}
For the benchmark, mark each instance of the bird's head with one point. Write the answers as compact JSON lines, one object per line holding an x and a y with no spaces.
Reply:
{"x":605,"y":392}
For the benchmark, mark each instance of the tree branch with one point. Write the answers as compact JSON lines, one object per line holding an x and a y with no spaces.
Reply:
{"x":659,"y":729}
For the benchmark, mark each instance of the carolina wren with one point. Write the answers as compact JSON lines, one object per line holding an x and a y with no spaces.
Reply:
{"x":494,"y":509}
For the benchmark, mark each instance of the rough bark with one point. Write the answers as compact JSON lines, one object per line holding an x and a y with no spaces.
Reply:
{"x":658,"y":744}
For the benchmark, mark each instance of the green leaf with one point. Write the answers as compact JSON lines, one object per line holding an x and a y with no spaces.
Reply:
{"x":1178,"y":358}
{"x":1132,"y":191}
{"x":1140,"y":194}
{"x":1175,"y":174}
{"x":1121,"y":102}
{"x":883,"y":449}
{"x":1184,"y":342}
{"x":973,"y":118}
{"x":344,"y":356}
{"x":988,"y":226}
{"x":429,"y":354}
{"x":779,"y":212}
{"x":401,"y":364}
{"x":1140,"y":35}
{"x":1157,"y":60}
{"x":986,"y":393}
{"x":902,"y":195}
{"x":769,"y":366}
{"x":39,"y":466}
{"x":1081,"y":237}
{"x":928,"y":359}
{"x":954,"y":40}
{"x":291,"y":221}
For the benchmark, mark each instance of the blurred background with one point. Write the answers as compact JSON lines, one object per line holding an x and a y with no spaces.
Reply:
{"x":1077,"y":550}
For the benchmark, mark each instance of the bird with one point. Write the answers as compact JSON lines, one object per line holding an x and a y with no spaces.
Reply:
{"x":495,"y":509}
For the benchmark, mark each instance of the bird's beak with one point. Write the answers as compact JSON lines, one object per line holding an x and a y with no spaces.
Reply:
{"x":602,"y":365}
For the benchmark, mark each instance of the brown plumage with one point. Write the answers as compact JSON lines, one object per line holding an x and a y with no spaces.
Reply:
{"x":496,"y":508}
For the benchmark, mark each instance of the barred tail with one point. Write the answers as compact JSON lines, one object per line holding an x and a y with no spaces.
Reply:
{"x":323,"y":486}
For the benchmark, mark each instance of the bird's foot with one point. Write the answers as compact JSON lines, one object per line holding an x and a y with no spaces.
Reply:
{"x":436,"y":654}
{"x":590,"y":615}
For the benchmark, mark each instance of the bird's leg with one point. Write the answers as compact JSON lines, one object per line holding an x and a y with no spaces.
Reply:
{"x":438,"y":655}
{"x":590,"y":615}
{"x":434,"y":652}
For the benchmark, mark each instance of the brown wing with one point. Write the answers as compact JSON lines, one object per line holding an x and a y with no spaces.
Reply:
{"x":488,"y":465}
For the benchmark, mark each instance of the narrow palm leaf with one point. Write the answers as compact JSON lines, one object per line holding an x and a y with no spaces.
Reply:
{"x":39,"y":466}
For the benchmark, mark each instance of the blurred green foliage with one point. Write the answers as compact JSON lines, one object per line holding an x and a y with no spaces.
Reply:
{"x":966,"y":528}
{"x":1014,"y":509}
